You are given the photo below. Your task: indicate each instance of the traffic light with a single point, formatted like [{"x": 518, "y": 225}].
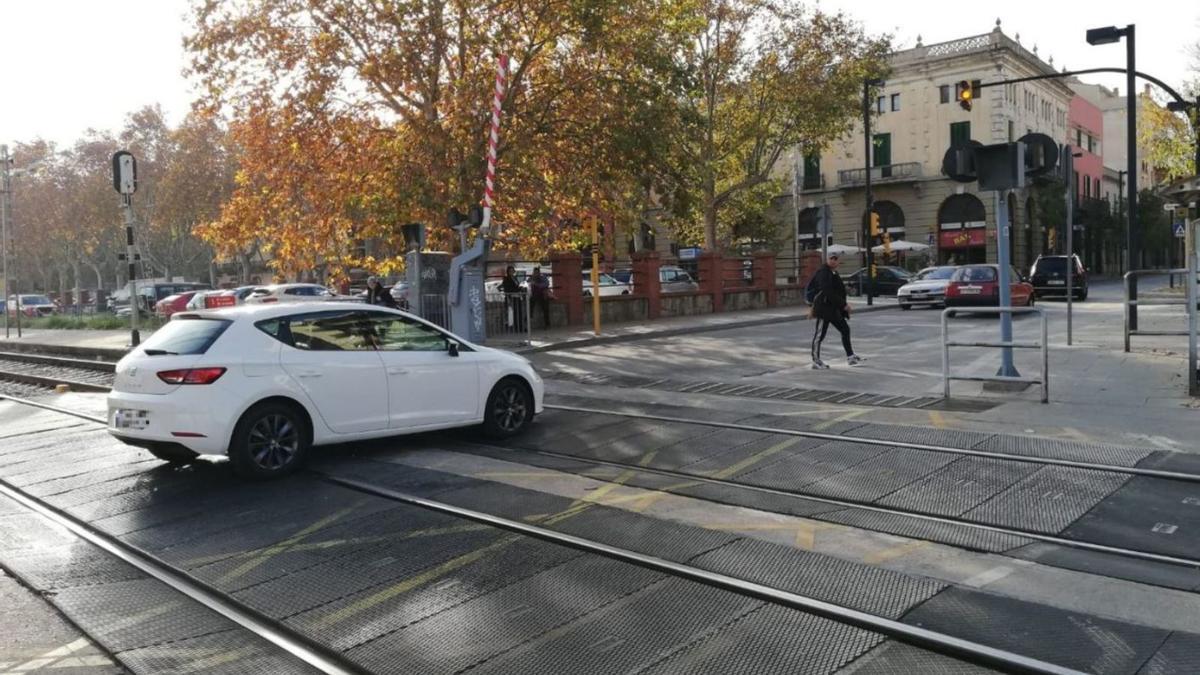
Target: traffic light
[
  {"x": 874, "y": 271},
  {"x": 874, "y": 224},
  {"x": 965, "y": 93}
]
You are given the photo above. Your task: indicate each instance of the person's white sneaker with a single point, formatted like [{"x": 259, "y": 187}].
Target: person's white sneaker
[
  {"x": 819, "y": 365},
  {"x": 853, "y": 360}
]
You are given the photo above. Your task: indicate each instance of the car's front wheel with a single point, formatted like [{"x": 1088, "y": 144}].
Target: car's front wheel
[
  {"x": 509, "y": 410},
  {"x": 271, "y": 440}
]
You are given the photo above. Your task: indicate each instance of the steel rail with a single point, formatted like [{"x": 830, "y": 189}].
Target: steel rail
[
  {"x": 915, "y": 635},
  {"x": 1110, "y": 468},
  {"x": 51, "y": 382},
  {"x": 65, "y": 361},
  {"x": 864, "y": 506},
  {"x": 310, "y": 652}
]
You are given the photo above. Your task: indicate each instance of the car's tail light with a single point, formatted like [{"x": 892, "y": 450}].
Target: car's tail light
[
  {"x": 191, "y": 375},
  {"x": 269, "y": 299},
  {"x": 952, "y": 290}
]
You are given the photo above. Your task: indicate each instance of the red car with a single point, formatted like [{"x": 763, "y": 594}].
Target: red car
[
  {"x": 173, "y": 303},
  {"x": 979, "y": 286}
]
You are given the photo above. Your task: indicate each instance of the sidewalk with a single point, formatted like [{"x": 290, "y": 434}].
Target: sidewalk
[{"x": 114, "y": 343}]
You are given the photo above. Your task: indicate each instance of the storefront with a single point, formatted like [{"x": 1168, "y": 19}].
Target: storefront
[{"x": 962, "y": 230}]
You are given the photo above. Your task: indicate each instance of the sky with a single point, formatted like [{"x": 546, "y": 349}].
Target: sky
[{"x": 71, "y": 65}]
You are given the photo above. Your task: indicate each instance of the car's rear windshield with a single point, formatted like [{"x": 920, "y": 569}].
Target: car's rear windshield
[
  {"x": 35, "y": 300},
  {"x": 1051, "y": 266},
  {"x": 937, "y": 273},
  {"x": 185, "y": 336},
  {"x": 976, "y": 274}
]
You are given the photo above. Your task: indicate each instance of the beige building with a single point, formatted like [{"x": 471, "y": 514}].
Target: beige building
[{"x": 916, "y": 117}]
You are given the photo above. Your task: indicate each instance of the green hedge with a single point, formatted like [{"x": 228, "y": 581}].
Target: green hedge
[{"x": 97, "y": 322}]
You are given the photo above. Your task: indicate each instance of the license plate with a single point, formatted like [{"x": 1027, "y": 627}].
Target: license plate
[
  {"x": 125, "y": 418},
  {"x": 970, "y": 290},
  {"x": 1057, "y": 282}
]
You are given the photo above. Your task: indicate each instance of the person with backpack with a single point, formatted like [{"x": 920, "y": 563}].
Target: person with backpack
[{"x": 826, "y": 295}]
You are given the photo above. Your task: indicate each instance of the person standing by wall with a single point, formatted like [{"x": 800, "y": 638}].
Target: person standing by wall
[
  {"x": 539, "y": 295},
  {"x": 830, "y": 308}
]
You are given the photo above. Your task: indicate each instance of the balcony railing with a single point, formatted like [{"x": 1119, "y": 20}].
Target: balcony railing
[{"x": 885, "y": 173}]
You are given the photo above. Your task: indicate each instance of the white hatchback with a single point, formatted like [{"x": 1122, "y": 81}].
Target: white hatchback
[{"x": 264, "y": 383}]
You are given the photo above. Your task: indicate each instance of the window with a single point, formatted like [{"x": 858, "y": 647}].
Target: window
[
  {"x": 397, "y": 334},
  {"x": 330, "y": 332},
  {"x": 1011, "y": 131},
  {"x": 1096, "y": 191},
  {"x": 895, "y": 102},
  {"x": 812, "y": 171},
  {"x": 879, "y": 104},
  {"x": 1091, "y": 144},
  {"x": 960, "y": 133},
  {"x": 1079, "y": 138},
  {"x": 184, "y": 336},
  {"x": 944, "y": 92}
]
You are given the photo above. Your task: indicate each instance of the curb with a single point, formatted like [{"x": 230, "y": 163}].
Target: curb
[{"x": 672, "y": 332}]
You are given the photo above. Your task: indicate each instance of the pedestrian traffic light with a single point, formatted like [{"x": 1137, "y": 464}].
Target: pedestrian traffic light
[
  {"x": 965, "y": 93},
  {"x": 874, "y": 224}
]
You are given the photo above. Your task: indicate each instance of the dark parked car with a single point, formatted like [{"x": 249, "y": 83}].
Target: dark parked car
[
  {"x": 888, "y": 280},
  {"x": 1049, "y": 277}
]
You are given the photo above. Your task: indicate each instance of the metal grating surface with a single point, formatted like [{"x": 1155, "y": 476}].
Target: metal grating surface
[
  {"x": 862, "y": 587},
  {"x": 1082, "y": 642},
  {"x": 944, "y": 533},
  {"x": 797, "y": 471},
  {"x": 23, "y": 531},
  {"x": 891, "y": 658},
  {"x": 76, "y": 564},
  {"x": 1149, "y": 514},
  {"x": 764, "y": 501},
  {"x": 233, "y": 652},
  {"x": 1048, "y": 500},
  {"x": 636, "y": 447},
  {"x": 692, "y": 451},
  {"x": 881, "y": 476},
  {"x": 960, "y": 486},
  {"x": 359, "y": 619},
  {"x": 635, "y": 532},
  {"x": 771, "y": 640},
  {"x": 505, "y": 619},
  {"x": 132, "y": 614},
  {"x": 631, "y": 634},
  {"x": 1105, "y": 564},
  {"x": 750, "y": 456},
  {"x": 1047, "y": 447},
  {"x": 922, "y": 435},
  {"x": 1179, "y": 654}
]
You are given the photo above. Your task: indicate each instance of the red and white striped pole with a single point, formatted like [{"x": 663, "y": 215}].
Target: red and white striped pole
[{"x": 489, "y": 192}]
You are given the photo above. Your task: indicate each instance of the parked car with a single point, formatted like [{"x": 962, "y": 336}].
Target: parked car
[
  {"x": 30, "y": 305},
  {"x": 888, "y": 280},
  {"x": 671, "y": 279},
  {"x": 264, "y": 383},
  {"x": 978, "y": 286},
  {"x": 927, "y": 288},
  {"x": 608, "y": 285},
  {"x": 173, "y": 303},
  {"x": 289, "y": 293},
  {"x": 1049, "y": 277}
]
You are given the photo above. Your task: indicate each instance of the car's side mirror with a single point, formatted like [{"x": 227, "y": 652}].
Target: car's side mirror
[{"x": 452, "y": 348}]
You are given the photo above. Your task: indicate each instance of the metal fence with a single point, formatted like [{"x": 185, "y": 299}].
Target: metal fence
[
  {"x": 947, "y": 376},
  {"x": 508, "y": 317},
  {"x": 1132, "y": 303},
  {"x": 434, "y": 308}
]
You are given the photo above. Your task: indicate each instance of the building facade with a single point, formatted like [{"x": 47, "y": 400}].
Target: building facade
[{"x": 916, "y": 119}]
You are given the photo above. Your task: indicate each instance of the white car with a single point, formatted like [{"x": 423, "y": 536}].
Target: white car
[
  {"x": 927, "y": 288},
  {"x": 264, "y": 383},
  {"x": 289, "y": 293},
  {"x": 608, "y": 285}
]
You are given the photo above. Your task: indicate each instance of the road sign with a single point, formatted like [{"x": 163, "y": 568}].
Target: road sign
[{"x": 1180, "y": 230}]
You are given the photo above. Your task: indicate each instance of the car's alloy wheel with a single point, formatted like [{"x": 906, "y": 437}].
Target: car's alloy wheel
[
  {"x": 509, "y": 409},
  {"x": 270, "y": 440}
]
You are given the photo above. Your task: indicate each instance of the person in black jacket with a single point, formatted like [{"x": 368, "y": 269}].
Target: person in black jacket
[
  {"x": 830, "y": 308},
  {"x": 378, "y": 295}
]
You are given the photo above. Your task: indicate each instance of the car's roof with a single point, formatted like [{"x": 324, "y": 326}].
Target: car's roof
[{"x": 255, "y": 312}]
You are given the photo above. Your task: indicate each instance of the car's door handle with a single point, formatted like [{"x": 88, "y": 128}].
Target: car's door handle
[
  {"x": 397, "y": 371},
  {"x": 308, "y": 373}
]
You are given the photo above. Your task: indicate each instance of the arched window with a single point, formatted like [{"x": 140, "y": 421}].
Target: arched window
[
  {"x": 891, "y": 218},
  {"x": 964, "y": 210}
]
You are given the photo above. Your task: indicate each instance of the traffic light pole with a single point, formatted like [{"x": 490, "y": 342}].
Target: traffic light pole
[
  {"x": 1007, "y": 368},
  {"x": 870, "y": 271}
]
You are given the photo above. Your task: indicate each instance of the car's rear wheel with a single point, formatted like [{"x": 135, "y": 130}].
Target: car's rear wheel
[
  {"x": 172, "y": 454},
  {"x": 905, "y": 306},
  {"x": 271, "y": 439},
  {"x": 509, "y": 409}
]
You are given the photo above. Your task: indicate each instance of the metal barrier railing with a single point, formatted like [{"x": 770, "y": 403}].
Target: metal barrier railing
[
  {"x": 1132, "y": 302},
  {"x": 434, "y": 308},
  {"x": 1044, "y": 380},
  {"x": 508, "y": 317}
]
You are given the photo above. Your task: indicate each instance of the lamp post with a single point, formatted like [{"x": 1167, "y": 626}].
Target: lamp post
[
  {"x": 870, "y": 198},
  {"x": 1109, "y": 35}
]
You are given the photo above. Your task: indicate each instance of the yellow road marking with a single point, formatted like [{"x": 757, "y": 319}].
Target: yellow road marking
[
  {"x": 894, "y": 552},
  {"x": 936, "y": 418},
  {"x": 286, "y": 544},
  {"x": 210, "y": 662},
  {"x": 517, "y": 474},
  {"x": 647, "y": 458},
  {"x": 1076, "y": 434},
  {"x": 755, "y": 458},
  {"x": 841, "y": 418},
  {"x": 411, "y": 583}
]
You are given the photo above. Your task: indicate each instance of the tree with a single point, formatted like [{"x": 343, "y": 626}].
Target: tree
[
  {"x": 1169, "y": 139},
  {"x": 763, "y": 77}
]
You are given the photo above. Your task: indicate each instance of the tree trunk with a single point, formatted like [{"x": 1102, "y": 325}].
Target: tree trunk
[
  {"x": 710, "y": 225},
  {"x": 77, "y": 293},
  {"x": 99, "y": 277}
]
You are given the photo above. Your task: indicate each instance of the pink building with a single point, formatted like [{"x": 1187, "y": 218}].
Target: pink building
[{"x": 1085, "y": 131}]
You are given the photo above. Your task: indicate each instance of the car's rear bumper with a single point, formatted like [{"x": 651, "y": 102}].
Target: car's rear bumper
[
  {"x": 973, "y": 301},
  {"x": 140, "y": 419},
  {"x": 921, "y": 300},
  {"x": 1059, "y": 290}
]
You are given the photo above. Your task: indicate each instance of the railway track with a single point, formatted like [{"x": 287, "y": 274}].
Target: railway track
[{"x": 321, "y": 658}]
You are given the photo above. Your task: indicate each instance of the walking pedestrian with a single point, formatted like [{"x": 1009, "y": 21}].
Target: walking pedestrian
[
  {"x": 539, "y": 295},
  {"x": 830, "y": 308}
]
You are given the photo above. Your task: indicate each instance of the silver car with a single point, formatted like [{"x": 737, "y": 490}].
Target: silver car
[{"x": 927, "y": 288}]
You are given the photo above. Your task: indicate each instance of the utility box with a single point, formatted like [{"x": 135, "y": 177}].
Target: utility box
[{"x": 428, "y": 277}]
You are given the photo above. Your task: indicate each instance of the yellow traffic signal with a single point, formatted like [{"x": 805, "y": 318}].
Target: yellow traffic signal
[
  {"x": 965, "y": 94},
  {"x": 874, "y": 270},
  {"x": 874, "y": 224}
]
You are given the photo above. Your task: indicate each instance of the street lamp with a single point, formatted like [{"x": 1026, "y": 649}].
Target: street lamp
[
  {"x": 870, "y": 198},
  {"x": 1104, "y": 36}
]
